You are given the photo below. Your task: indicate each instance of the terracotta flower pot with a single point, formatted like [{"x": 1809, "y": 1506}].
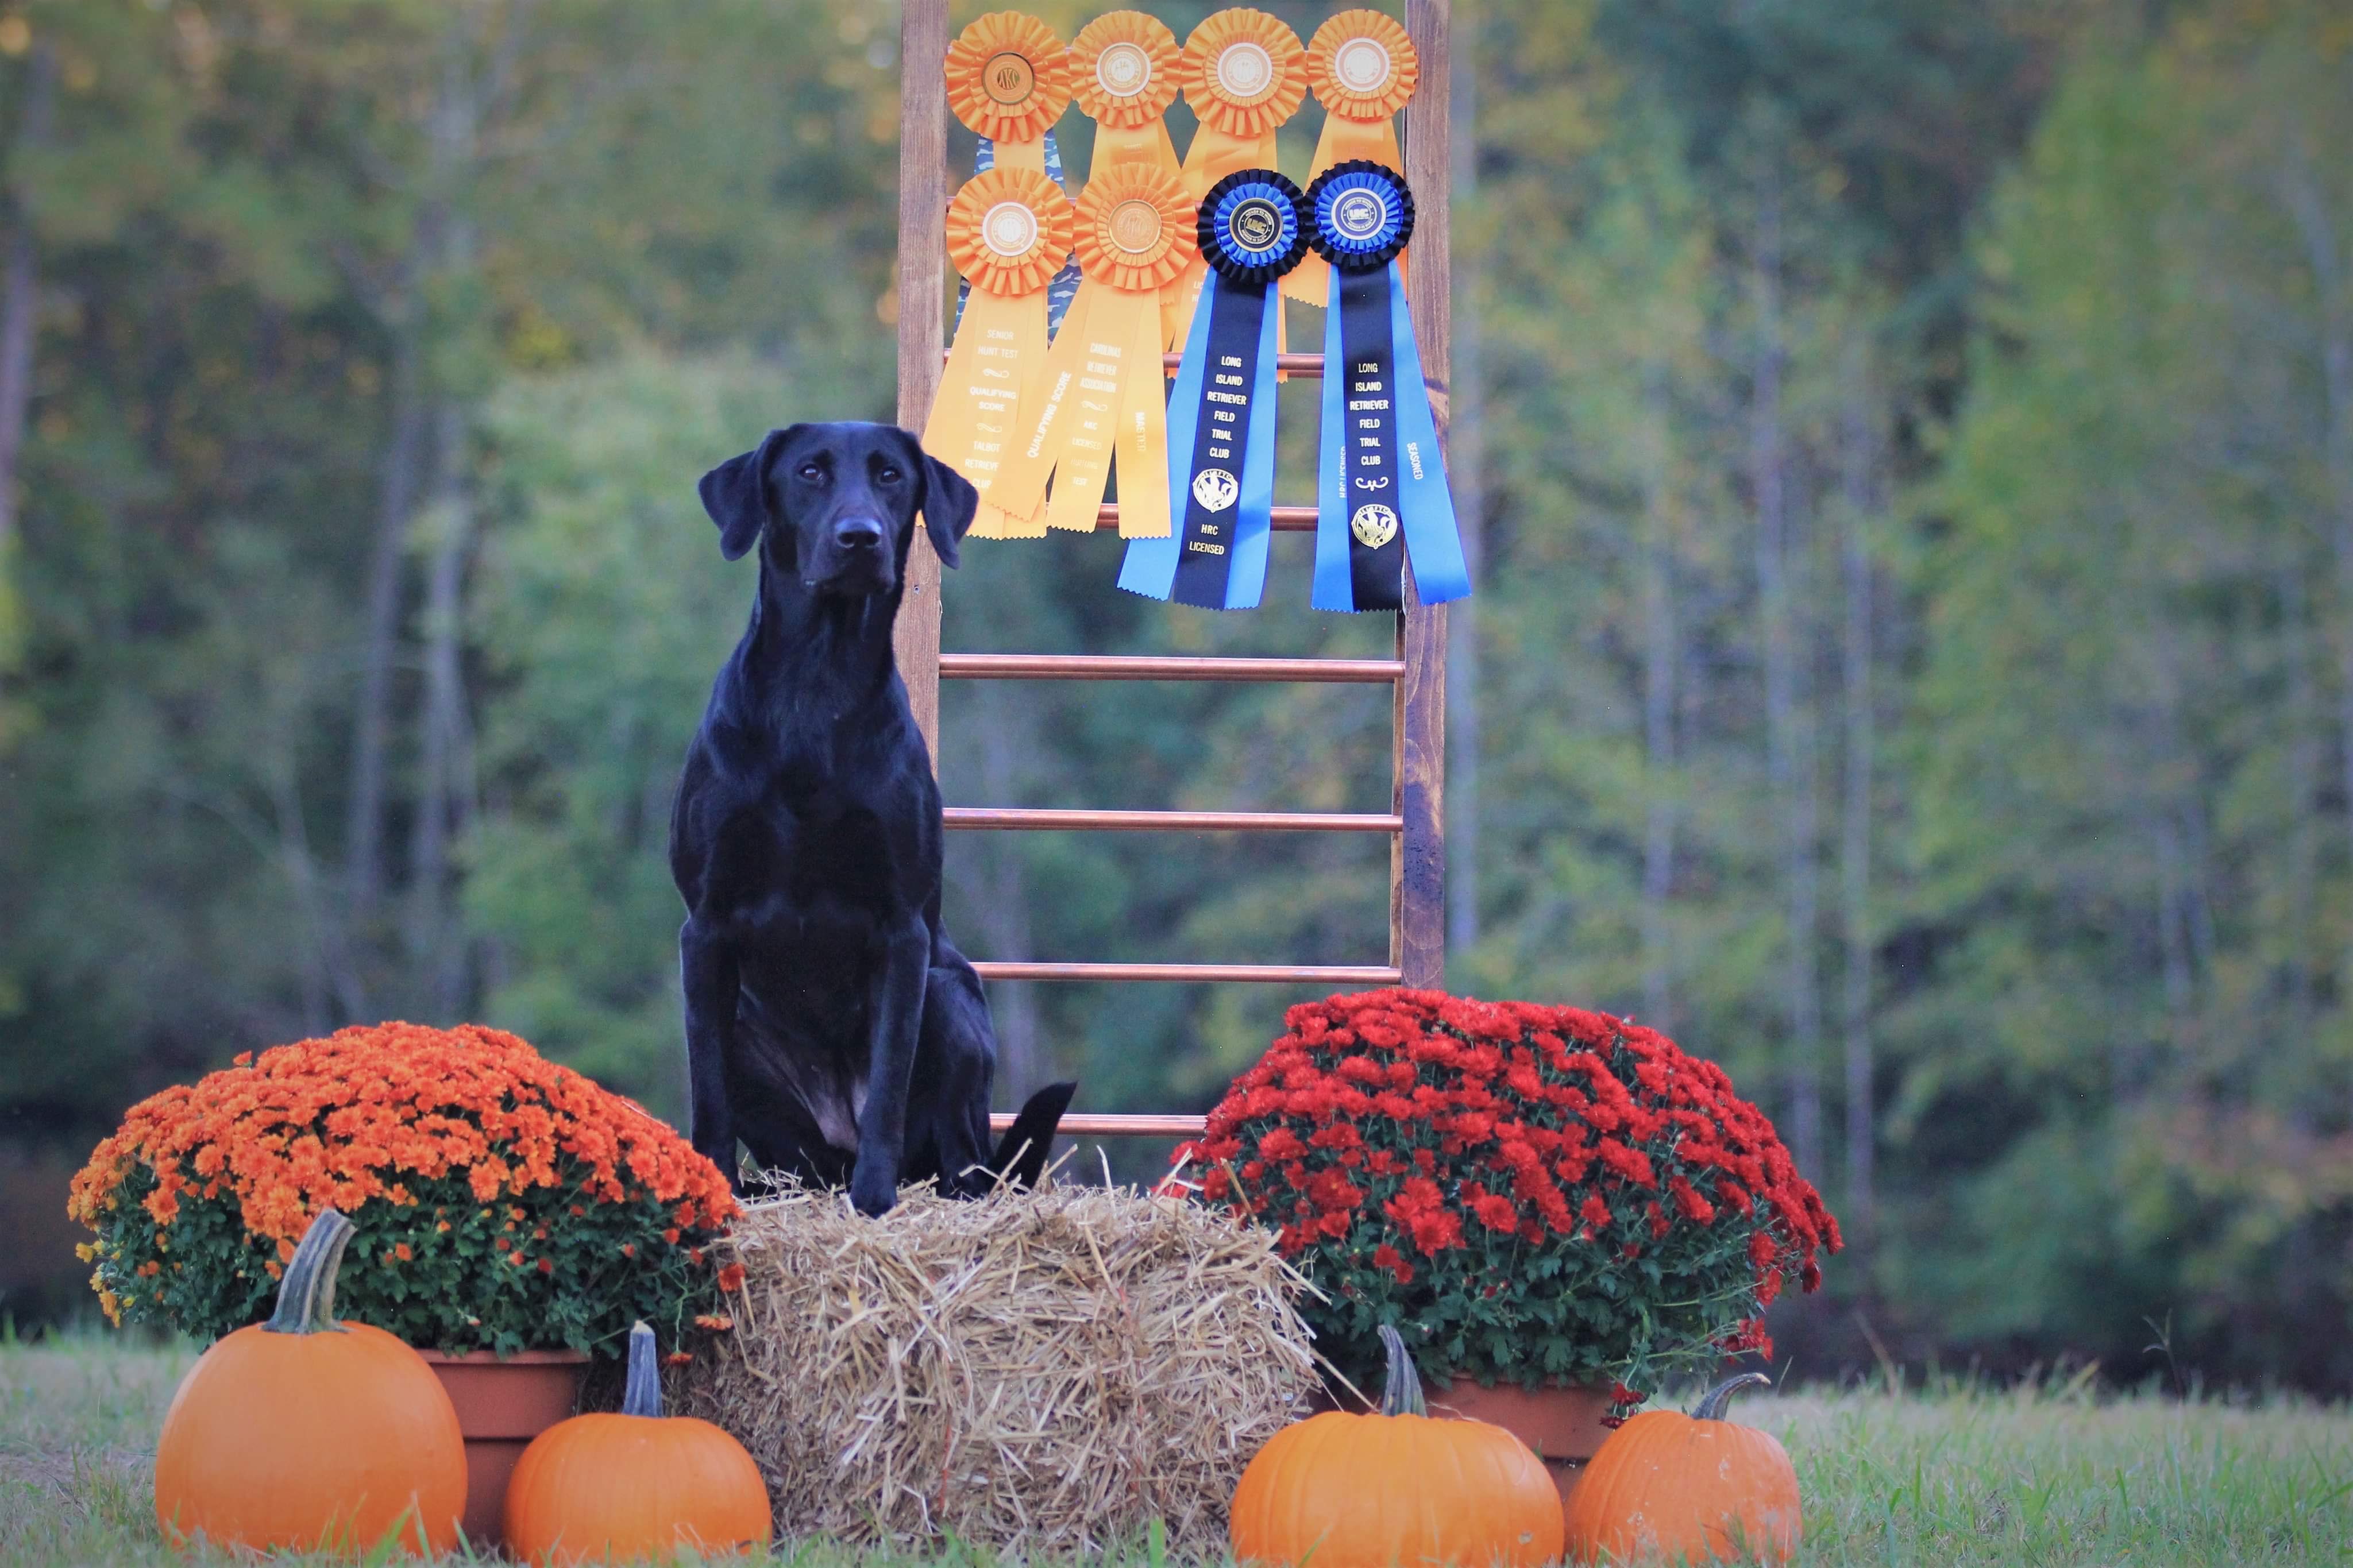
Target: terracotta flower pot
[
  {"x": 1562, "y": 1424},
  {"x": 501, "y": 1406}
]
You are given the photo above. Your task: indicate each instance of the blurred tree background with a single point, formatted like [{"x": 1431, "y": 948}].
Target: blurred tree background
[{"x": 1909, "y": 443}]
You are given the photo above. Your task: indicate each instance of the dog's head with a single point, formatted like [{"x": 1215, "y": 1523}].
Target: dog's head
[{"x": 837, "y": 504}]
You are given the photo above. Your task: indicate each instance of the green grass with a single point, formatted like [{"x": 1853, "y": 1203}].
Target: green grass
[{"x": 1960, "y": 1474}]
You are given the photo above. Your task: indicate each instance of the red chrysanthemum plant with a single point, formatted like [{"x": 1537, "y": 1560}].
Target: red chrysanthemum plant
[
  {"x": 1539, "y": 1195},
  {"x": 499, "y": 1202}
]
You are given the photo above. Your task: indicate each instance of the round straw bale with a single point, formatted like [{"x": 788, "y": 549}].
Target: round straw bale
[{"x": 1041, "y": 1370}]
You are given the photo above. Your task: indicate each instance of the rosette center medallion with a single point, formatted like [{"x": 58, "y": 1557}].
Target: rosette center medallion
[
  {"x": 1123, "y": 69},
  {"x": 1246, "y": 70},
  {"x": 1361, "y": 65},
  {"x": 1134, "y": 226},
  {"x": 1256, "y": 224},
  {"x": 1008, "y": 79},
  {"x": 1009, "y": 228}
]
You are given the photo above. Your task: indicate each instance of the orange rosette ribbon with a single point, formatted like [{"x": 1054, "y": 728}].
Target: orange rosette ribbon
[
  {"x": 1103, "y": 395},
  {"x": 1123, "y": 75},
  {"x": 1244, "y": 73},
  {"x": 1124, "y": 78},
  {"x": 1008, "y": 230},
  {"x": 1362, "y": 69},
  {"x": 1009, "y": 79}
]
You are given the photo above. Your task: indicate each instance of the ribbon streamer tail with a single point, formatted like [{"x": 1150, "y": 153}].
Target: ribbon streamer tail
[
  {"x": 1149, "y": 567},
  {"x": 1246, "y": 582},
  {"x": 1433, "y": 540},
  {"x": 1144, "y": 493},
  {"x": 1331, "y": 589}
]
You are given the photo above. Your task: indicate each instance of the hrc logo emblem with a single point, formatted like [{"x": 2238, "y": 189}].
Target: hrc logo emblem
[{"x": 1373, "y": 525}]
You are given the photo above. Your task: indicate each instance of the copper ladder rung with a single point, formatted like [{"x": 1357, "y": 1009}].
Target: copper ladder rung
[
  {"x": 1164, "y": 667},
  {"x": 1083, "y": 1125},
  {"x": 1287, "y": 518},
  {"x": 1035, "y": 819},
  {"x": 1306, "y": 366},
  {"x": 1184, "y": 974}
]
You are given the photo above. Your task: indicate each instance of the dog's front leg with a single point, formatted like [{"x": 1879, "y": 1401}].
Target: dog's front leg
[
  {"x": 896, "y": 1016},
  {"x": 706, "y": 969}
]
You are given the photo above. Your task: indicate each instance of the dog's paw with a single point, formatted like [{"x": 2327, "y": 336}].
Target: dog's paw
[{"x": 872, "y": 1194}]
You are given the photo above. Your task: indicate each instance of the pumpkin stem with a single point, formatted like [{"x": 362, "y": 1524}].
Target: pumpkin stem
[
  {"x": 1717, "y": 1400},
  {"x": 644, "y": 1394},
  {"x": 1402, "y": 1396},
  {"x": 306, "y": 1296}
]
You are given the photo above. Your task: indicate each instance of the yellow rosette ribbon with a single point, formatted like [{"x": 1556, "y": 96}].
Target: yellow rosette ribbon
[
  {"x": 1103, "y": 395},
  {"x": 1009, "y": 79},
  {"x": 1008, "y": 230},
  {"x": 1363, "y": 69},
  {"x": 1244, "y": 73}
]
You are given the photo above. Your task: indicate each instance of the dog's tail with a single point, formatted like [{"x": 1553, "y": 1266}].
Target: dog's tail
[{"x": 1022, "y": 1153}]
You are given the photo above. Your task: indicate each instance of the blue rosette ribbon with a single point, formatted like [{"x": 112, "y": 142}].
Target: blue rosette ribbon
[
  {"x": 1253, "y": 228},
  {"x": 1381, "y": 496}
]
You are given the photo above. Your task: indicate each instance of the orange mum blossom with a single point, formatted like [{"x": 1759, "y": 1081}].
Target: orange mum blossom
[{"x": 443, "y": 1146}]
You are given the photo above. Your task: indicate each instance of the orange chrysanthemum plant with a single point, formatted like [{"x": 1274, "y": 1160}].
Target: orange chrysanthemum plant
[{"x": 499, "y": 1202}]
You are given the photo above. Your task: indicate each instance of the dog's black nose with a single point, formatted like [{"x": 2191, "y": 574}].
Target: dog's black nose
[{"x": 858, "y": 533}]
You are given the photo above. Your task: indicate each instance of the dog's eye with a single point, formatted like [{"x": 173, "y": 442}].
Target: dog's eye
[
  {"x": 889, "y": 476},
  {"x": 811, "y": 471}
]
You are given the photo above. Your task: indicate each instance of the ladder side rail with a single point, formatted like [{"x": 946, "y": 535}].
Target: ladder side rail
[
  {"x": 922, "y": 284},
  {"x": 1418, "y": 908}
]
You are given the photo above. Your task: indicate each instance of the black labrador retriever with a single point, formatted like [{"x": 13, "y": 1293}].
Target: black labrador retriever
[{"x": 830, "y": 1025}]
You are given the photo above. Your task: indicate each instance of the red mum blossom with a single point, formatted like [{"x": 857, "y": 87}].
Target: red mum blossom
[{"x": 1423, "y": 1154}]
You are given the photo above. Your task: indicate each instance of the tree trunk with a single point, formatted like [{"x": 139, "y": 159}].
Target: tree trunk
[
  {"x": 2308, "y": 208},
  {"x": 20, "y": 292},
  {"x": 1465, "y": 463},
  {"x": 1791, "y": 778},
  {"x": 445, "y": 783},
  {"x": 2303, "y": 748},
  {"x": 1860, "y": 461},
  {"x": 397, "y": 484},
  {"x": 1658, "y": 679}
]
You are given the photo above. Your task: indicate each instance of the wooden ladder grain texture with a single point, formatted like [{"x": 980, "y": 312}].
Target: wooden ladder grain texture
[{"x": 1417, "y": 673}]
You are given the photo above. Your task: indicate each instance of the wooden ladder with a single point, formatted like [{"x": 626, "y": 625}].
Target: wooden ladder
[{"x": 1415, "y": 822}]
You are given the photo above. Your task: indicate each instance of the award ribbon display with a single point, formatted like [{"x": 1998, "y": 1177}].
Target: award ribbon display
[
  {"x": 1362, "y": 69},
  {"x": 1124, "y": 78},
  {"x": 1009, "y": 79},
  {"x": 1103, "y": 392},
  {"x": 1380, "y": 483},
  {"x": 1244, "y": 73},
  {"x": 1007, "y": 231},
  {"x": 1252, "y": 228}
]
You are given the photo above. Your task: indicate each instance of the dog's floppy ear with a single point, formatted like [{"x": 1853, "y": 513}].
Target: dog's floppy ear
[
  {"x": 735, "y": 494},
  {"x": 949, "y": 501}
]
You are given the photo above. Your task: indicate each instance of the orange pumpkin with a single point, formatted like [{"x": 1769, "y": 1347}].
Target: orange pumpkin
[
  {"x": 640, "y": 1484},
  {"x": 1374, "y": 1492},
  {"x": 1687, "y": 1487},
  {"x": 302, "y": 1431}
]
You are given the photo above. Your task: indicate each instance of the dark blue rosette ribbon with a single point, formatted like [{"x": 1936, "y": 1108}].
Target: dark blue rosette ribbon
[
  {"x": 1380, "y": 484},
  {"x": 1252, "y": 228}
]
